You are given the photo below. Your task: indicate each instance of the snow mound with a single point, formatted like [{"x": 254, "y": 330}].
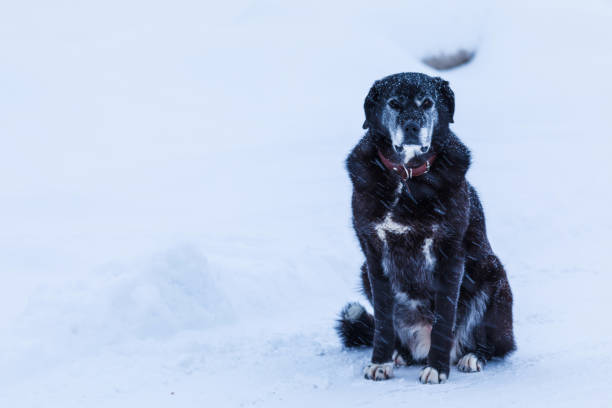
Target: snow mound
[
  {"x": 175, "y": 291},
  {"x": 168, "y": 293}
]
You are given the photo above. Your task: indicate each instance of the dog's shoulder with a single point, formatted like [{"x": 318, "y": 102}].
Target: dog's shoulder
[
  {"x": 361, "y": 164},
  {"x": 456, "y": 156}
]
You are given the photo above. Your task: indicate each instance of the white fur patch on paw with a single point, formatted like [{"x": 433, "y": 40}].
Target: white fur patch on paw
[
  {"x": 470, "y": 363},
  {"x": 378, "y": 372},
  {"x": 398, "y": 360},
  {"x": 429, "y": 375}
]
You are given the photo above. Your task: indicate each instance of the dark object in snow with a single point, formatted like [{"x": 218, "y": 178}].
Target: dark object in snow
[
  {"x": 443, "y": 62},
  {"x": 440, "y": 295}
]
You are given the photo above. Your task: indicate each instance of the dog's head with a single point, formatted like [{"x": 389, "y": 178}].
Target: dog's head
[{"x": 408, "y": 113}]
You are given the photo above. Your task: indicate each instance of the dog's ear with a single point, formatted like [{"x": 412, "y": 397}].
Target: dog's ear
[
  {"x": 370, "y": 104},
  {"x": 447, "y": 96}
]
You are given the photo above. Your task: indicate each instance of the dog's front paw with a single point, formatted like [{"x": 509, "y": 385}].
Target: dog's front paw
[
  {"x": 470, "y": 363},
  {"x": 378, "y": 372},
  {"x": 430, "y": 375}
]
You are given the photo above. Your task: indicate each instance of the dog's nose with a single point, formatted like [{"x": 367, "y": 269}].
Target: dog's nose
[
  {"x": 398, "y": 148},
  {"x": 424, "y": 149},
  {"x": 411, "y": 130}
]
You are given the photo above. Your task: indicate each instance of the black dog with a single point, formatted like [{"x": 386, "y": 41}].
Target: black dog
[{"x": 439, "y": 293}]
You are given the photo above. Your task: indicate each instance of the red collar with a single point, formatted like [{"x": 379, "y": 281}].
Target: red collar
[{"x": 404, "y": 172}]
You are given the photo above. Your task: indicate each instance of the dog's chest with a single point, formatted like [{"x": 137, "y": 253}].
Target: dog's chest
[{"x": 408, "y": 248}]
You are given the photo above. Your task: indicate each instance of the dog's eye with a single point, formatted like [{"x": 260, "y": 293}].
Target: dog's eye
[
  {"x": 427, "y": 103},
  {"x": 394, "y": 104}
]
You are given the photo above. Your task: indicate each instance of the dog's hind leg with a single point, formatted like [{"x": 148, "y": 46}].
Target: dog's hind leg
[
  {"x": 471, "y": 335},
  {"x": 492, "y": 336},
  {"x": 475, "y": 360},
  {"x": 366, "y": 286},
  {"x": 498, "y": 319}
]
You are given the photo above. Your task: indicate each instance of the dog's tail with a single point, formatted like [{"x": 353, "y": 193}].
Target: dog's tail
[{"x": 355, "y": 326}]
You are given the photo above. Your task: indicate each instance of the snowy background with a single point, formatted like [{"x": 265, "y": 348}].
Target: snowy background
[{"x": 175, "y": 224}]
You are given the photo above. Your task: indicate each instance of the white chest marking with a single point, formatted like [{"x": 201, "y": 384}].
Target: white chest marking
[
  {"x": 388, "y": 225},
  {"x": 428, "y": 253},
  {"x": 398, "y": 192},
  {"x": 405, "y": 300}
]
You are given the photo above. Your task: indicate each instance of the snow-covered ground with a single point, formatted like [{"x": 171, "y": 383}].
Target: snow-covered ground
[{"x": 175, "y": 212}]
